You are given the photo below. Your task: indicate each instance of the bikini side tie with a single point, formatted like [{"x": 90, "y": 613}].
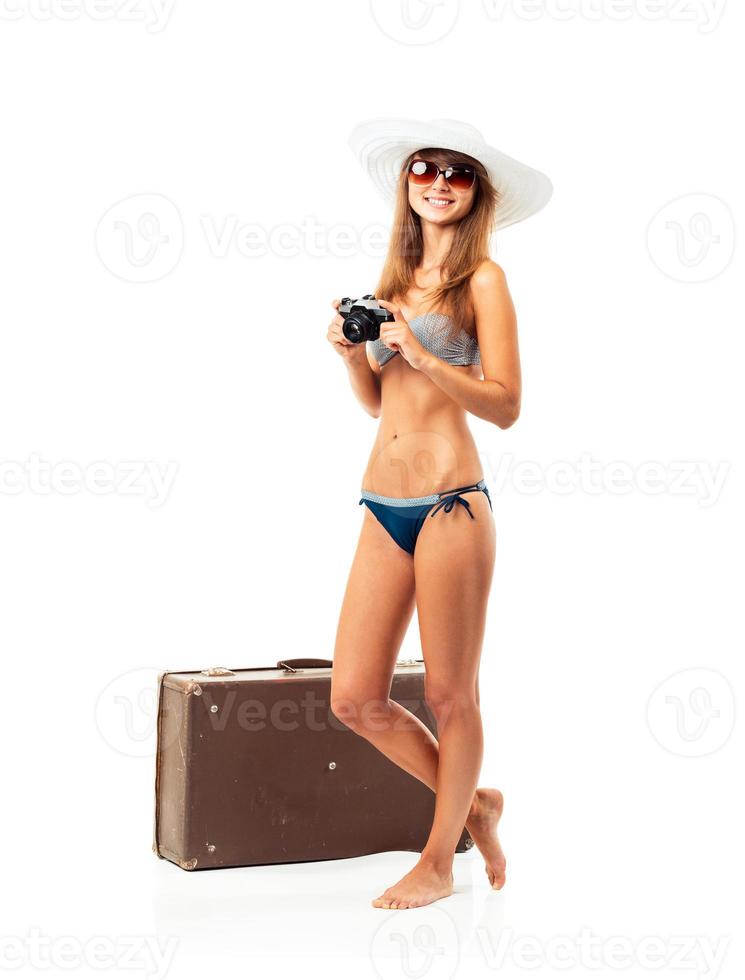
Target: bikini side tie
[{"x": 449, "y": 501}]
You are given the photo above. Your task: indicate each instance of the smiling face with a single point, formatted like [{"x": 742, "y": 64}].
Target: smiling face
[{"x": 439, "y": 202}]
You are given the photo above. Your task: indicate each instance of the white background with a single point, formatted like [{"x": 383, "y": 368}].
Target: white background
[{"x": 196, "y": 356}]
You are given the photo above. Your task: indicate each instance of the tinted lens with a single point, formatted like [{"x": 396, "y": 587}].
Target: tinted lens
[
  {"x": 461, "y": 178},
  {"x": 422, "y": 172}
]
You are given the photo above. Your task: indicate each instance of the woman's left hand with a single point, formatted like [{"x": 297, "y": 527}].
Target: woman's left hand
[{"x": 398, "y": 336}]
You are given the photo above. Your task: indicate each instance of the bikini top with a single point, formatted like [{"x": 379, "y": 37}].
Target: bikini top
[{"x": 431, "y": 330}]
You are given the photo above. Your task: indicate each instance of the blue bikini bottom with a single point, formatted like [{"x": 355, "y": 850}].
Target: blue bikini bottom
[{"x": 403, "y": 517}]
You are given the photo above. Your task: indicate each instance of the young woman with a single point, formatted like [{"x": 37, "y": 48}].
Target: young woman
[{"x": 428, "y": 536}]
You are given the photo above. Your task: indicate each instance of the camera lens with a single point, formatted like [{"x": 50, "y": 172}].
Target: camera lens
[{"x": 361, "y": 326}]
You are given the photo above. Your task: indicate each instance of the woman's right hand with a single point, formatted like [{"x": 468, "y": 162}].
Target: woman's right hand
[{"x": 349, "y": 352}]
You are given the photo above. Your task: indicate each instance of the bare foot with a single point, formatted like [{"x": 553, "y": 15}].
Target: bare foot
[
  {"x": 422, "y": 885},
  {"x": 486, "y": 810}
]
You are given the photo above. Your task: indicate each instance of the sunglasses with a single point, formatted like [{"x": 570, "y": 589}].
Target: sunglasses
[{"x": 460, "y": 176}]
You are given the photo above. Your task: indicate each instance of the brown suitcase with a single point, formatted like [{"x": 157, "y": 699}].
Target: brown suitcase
[{"x": 252, "y": 767}]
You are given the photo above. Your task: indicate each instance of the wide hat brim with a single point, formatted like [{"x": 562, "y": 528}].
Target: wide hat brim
[{"x": 381, "y": 145}]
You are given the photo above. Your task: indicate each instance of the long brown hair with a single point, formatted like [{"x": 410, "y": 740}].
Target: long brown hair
[{"x": 469, "y": 248}]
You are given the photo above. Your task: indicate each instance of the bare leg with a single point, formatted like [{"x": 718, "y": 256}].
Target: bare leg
[
  {"x": 377, "y": 608},
  {"x": 451, "y": 598},
  {"x": 378, "y": 605}
]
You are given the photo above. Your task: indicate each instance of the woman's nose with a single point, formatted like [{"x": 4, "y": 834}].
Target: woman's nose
[{"x": 441, "y": 184}]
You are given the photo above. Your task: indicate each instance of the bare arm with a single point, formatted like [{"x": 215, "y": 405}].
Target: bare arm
[
  {"x": 496, "y": 397},
  {"x": 365, "y": 383},
  {"x": 364, "y": 372}
]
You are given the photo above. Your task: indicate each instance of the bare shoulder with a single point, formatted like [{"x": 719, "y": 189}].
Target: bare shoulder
[
  {"x": 492, "y": 303},
  {"x": 488, "y": 278}
]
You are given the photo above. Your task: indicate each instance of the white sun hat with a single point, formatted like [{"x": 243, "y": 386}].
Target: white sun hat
[{"x": 382, "y": 145}]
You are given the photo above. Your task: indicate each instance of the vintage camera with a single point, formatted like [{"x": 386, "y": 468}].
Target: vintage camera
[{"x": 362, "y": 318}]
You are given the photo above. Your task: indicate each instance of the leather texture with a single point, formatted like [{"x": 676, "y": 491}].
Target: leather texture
[{"x": 252, "y": 767}]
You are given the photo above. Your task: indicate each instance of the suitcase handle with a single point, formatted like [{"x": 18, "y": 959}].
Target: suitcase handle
[{"x": 304, "y": 662}]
